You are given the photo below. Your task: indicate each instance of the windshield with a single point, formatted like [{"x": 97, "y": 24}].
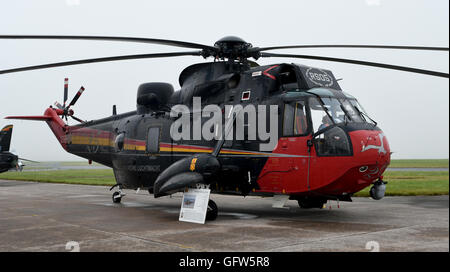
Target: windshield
[
  {"x": 328, "y": 111},
  {"x": 362, "y": 112}
]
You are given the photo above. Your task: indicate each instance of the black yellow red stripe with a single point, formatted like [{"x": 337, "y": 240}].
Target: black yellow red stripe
[{"x": 104, "y": 138}]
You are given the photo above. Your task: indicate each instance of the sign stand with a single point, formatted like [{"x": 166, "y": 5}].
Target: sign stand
[{"x": 194, "y": 205}]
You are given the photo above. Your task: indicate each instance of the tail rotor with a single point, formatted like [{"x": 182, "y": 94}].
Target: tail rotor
[
  {"x": 66, "y": 91},
  {"x": 65, "y": 110}
]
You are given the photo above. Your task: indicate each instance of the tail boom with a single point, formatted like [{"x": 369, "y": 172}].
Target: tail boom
[{"x": 56, "y": 124}]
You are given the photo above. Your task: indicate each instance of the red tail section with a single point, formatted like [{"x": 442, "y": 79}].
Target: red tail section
[{"x": 56, "y": 124}]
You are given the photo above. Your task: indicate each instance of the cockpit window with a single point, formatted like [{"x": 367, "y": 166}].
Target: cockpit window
[
  {"x": 362, "y": 112},
  {"x": 319, "y": 116},
  {"x": 336, "y": 111},
  {"x": 333, "y": 142},
  {"x": 354, "y": 115}
]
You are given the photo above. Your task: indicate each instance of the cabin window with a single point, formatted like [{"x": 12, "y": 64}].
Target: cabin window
[
  {"x": 295, "y": 122},
  {"x": 153, "y": 140},
  {"x": 119, "y": 142}
]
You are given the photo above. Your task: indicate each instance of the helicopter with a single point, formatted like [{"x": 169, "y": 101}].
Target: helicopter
[
  {"x": 8, "y": 160},
  {"x": 322, "y": 145}
]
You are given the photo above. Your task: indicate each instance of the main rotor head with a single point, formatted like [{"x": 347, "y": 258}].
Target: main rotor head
[{"x": 232, "y": 48}]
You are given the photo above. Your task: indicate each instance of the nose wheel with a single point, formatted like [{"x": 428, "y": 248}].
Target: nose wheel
[
  {"x": 212, "y": 211},
  {"x": 378, "y": 189}
]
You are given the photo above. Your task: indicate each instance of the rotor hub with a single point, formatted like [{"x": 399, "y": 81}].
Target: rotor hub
[
  {"x": 232, "y": 48},
  {"x": 230, "y": 41}
]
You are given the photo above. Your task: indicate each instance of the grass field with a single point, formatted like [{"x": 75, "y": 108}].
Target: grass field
[
  {"x": 57, "y": 164},
  {"x": 414, "y": 183},
  {"x": 88, "y": 177},
  {"x": 419, "y": 163},
  {"x": 399, "y": 183}
]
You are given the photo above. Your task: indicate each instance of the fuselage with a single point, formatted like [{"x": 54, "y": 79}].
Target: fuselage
[
  {"x": 310, "y": 157},
  {"x": 292, "y": 167}
]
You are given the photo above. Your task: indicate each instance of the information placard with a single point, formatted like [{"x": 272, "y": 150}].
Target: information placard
[{"x": 194, "y": 205}]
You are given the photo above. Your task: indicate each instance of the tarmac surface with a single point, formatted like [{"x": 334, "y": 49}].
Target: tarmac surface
[{"x": 45, "y": 217}]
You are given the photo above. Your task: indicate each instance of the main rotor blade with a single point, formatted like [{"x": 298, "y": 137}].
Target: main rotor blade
[
  {"x": 109, "y": 38},
  {"x": 354, "y": 46},
  {"x": 116, "y": 58},
  {"x": 358, "y": 62}
]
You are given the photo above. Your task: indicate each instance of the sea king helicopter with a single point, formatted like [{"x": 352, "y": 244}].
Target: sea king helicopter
[
  {"x": 8, "y": 160},
  {"x": 322, "y": 146}
]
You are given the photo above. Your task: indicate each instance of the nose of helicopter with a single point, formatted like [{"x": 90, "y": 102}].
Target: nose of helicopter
[{"x": 372, "y": 153}]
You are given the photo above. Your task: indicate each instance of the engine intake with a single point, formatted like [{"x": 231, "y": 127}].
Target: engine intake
[{"x": 153, "y": 96}]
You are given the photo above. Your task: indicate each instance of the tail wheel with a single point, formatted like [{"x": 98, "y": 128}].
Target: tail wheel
[
  {"x": 116, "y": 197},
  {"x": 212, "y": 211}
]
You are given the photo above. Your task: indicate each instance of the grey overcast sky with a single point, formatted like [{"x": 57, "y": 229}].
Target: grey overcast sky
[{"x": 413, "y": 110}]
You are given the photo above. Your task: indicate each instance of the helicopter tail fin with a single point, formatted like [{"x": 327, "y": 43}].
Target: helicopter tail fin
[{"x": 5, "y": 138}]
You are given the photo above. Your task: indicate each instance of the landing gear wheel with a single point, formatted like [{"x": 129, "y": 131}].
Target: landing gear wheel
[
  {"x": 212, "y": 211},
  {"x": 116, "y": 197}
]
